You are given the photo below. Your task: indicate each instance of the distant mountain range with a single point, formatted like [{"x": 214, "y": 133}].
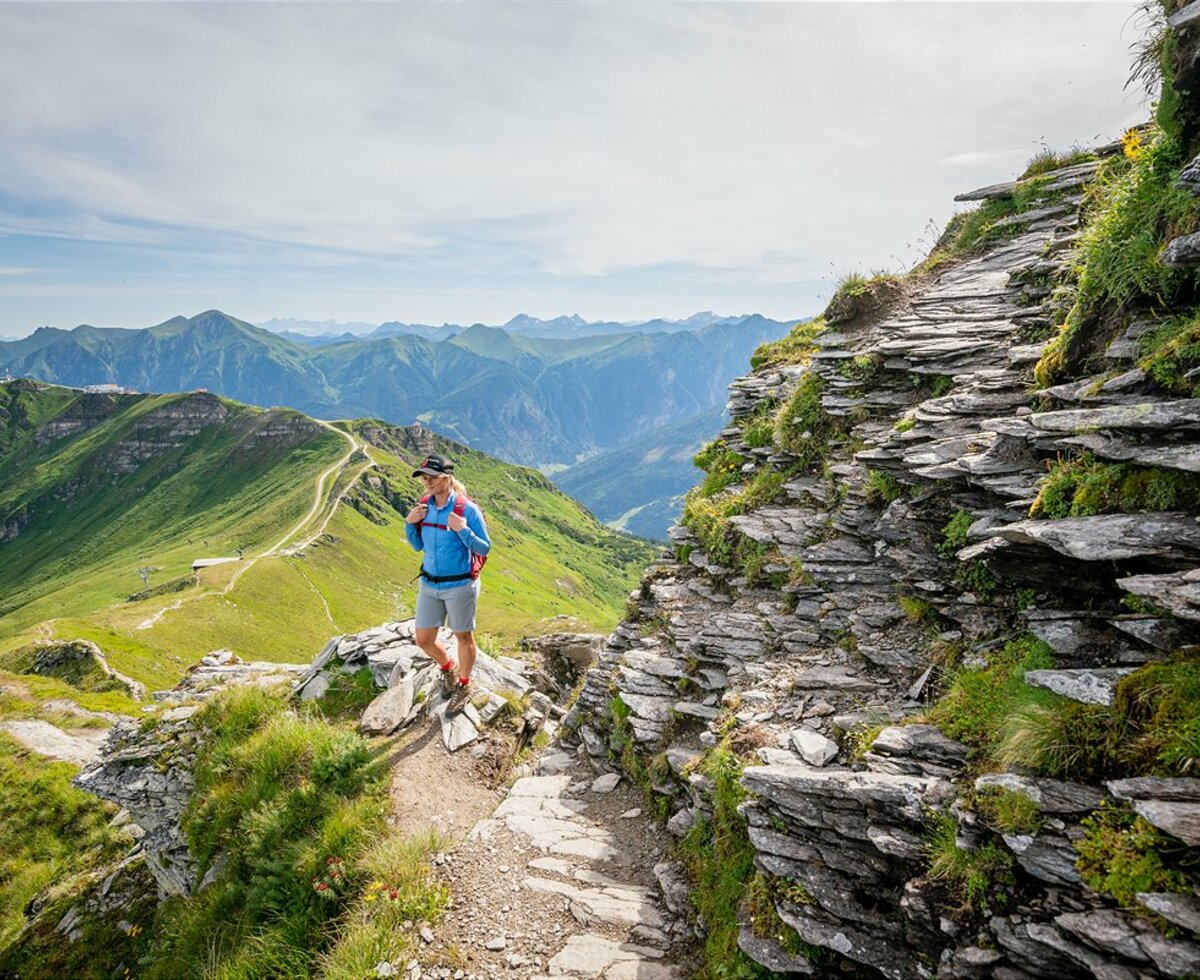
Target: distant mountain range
[
  {"x": 316, "y": 332},
  {"x": 535, "y": 400},
  {"x": 639, "y": 486}
]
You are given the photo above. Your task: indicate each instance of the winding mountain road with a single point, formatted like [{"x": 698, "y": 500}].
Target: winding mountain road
[{"x": 319, "y": 503}]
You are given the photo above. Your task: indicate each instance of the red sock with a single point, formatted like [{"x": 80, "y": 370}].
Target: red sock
[
  {"x": 464, "y": 681},
  {"x": 449, "y": 665}
]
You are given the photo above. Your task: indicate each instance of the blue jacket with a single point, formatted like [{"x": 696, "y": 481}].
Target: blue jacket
[{"x": 448, "y": 552}]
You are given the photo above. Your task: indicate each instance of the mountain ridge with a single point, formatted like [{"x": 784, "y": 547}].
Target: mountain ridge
[{"x": 532, "y": 400}]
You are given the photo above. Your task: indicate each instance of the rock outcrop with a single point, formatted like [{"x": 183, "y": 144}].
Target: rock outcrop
[{"x": 824, "y": 649}]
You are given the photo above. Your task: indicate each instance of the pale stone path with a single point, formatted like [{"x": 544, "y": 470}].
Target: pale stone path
[
  {"x": 81, "y": 747},
  {"x": 557, "y": 883}
]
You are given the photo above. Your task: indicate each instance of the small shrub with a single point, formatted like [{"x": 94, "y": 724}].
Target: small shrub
[
  {"x": 1121, "y": 854},
  {"x": 954, "y": 534},
  {"x": 1082, "y": 487}
]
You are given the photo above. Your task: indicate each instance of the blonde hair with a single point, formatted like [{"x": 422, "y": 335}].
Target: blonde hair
[{"x": 456, "y": 484}]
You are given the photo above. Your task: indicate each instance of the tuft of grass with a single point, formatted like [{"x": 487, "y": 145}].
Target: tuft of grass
[
  {"x": 1047, "y": 159},
  {"x": 720, "y": 859},
  {"x": 761, "y": 895},
  {"x": 1151, "y": 728},
  {"x": 916, "y": 610},
  {"x": 1082, "y": 486},
  {"x": 1009, "y": 811},
  {"x": 1171, "y": 351},
  {"x": 1136, "y": 209},
  {"x": 882, "y": 488},
  {"x": 348, "y": 695},
  {"x": 976, "y": 878},
  {"x": 796, "y": 348},
  {"x": 979, "y": 701}
]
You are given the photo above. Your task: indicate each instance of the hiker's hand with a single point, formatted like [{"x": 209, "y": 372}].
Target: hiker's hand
[
  {"x": 417, "y": 514},
  {"x": 456, "y": 522}
]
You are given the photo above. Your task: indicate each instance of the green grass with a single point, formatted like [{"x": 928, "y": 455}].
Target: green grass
[
  {"x": 976, "y": 878},
  {"x": 50, "y": 832},
  {"x": 224, "y": 488},
  {"x": 1007, "y": 810},
  {"x": 1082, "y": 486},
  {"x": 313, "y": 880},
  {"x": 796, "y": 348},
  {"x": 1151, "y": 728},
  {"x": 978, "y": 702},
  {"x": 1170, "y": 351},
  {"x": 954, "y": 534},
  {"x": 1047, "y": 159},
  {"x": 1137, "y": 209},
  {"x": 720, "y": 859},
  {"x": 882, "y": 488}
]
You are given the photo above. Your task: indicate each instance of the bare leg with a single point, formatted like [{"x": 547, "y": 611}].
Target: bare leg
[
  {"x": 466, "y": 653},
  {"x": 427, "y": 640}
]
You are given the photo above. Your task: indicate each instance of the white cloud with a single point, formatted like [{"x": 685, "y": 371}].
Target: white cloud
[{"x": 761, "y": 140}]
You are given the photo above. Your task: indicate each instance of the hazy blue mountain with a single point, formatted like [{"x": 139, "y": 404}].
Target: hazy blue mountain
[
  {"x": 528, "y": 399},
  {"x": 639, "y": 486},
  {"x": 292, "y": 327},
  {"x": 561, "y": 327}
]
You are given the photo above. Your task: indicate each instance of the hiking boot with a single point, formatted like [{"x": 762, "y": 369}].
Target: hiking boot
[
  {"x": 459, "y": 699},
  {"x": 450, "y": 678}
]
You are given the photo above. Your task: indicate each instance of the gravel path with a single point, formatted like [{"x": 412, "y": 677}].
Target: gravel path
[{"x": 558, "y": 882}]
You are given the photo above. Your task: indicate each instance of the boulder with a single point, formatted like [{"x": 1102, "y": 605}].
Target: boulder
[
  {"x": 389, "y": 710},
  {"x": 814, "y": 748}
]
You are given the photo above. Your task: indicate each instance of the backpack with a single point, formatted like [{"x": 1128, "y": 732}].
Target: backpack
[{"x": 460, "y": 506}]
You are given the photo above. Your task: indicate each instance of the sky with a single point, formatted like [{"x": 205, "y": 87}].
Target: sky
[{"x": 465, "y": 162}]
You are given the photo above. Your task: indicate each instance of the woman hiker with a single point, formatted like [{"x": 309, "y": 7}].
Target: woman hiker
[{"x": 448, "y": 527}]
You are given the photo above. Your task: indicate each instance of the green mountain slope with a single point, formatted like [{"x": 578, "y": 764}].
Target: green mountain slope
[{"x": 97, "y": 486}]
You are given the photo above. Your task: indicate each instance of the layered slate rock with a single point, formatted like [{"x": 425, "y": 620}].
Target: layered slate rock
[{"x": 826, "y": 656}]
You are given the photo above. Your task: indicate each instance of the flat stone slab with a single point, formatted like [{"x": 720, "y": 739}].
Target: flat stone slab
[
  {"x": 1050, "y": 795},
  {"x": 606, "y": 783},
  {"x": 1110, "y": 537},
  {"x": 389, "y": 710},
  {"x": 1182, "y": 820},
  {"x": 1178, "y": 592},
  {"x": 1183, "y": 910},
  {"x": 1095, "y": 685},
  {"x": 1183, "y": 789},
  {"x": 591, "y": 955}
]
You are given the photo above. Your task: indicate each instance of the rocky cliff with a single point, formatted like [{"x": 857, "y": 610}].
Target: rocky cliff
[{"x": 917, "y": 685}]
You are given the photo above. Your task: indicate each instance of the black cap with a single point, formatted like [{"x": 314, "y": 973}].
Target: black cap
[{"x": 434, "y": 465}]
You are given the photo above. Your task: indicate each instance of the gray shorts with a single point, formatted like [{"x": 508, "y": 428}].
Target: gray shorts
[{"x": 455, "y": 603}]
